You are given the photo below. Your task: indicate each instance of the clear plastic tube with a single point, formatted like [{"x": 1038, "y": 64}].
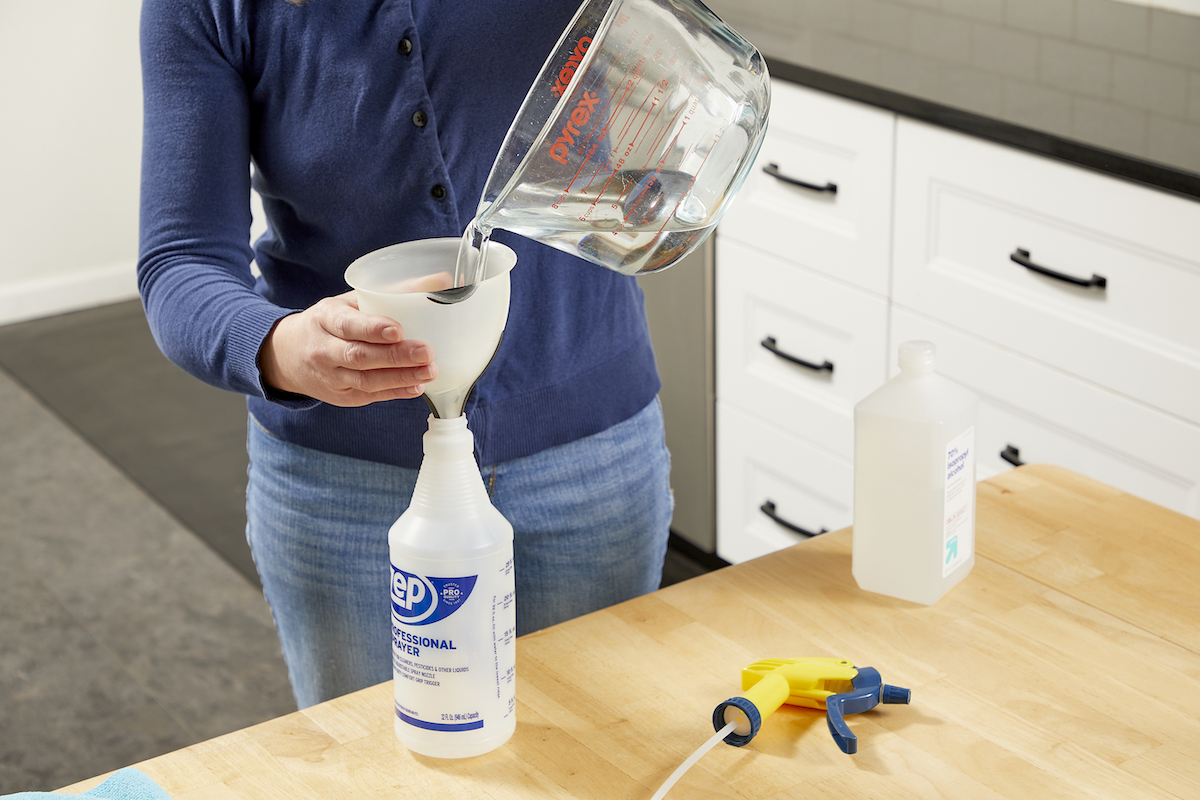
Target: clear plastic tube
[{"x": 693, "y": 758}]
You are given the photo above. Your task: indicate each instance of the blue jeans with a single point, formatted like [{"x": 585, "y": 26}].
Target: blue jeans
[{"x": 591, "y": 520}]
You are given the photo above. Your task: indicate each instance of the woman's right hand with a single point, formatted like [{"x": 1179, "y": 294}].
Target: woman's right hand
[{"x": 335, "y": 353}]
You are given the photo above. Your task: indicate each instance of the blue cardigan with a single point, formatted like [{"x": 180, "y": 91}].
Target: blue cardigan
[{"x": 367, "y": 122}]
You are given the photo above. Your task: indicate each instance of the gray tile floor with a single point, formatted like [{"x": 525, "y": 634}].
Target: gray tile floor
[
  {"x": 122, "y": 635},
  {"x": 131, "y": 621}
]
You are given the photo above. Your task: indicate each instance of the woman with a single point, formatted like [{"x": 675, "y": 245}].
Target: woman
[{"x": 368, "y": 123}]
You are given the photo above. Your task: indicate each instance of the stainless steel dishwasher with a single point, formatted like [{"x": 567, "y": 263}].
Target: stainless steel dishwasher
[{"x": 679, "y": 305}]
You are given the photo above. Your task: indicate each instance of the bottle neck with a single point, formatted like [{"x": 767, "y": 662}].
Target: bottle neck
[{"x": 449, "y": 473}]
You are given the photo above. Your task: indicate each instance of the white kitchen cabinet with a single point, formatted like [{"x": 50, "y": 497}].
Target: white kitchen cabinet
[
  {"x": 1103, "y": 380},
  {"x": 801, "y": 319},
  {"x": 1052, "y": 417},
  {"x": 968, "y": 211},
  {"x": 796, "y": 348},
  {"x": 774, "y": 488},
  {"x": 839, "y": 222}
]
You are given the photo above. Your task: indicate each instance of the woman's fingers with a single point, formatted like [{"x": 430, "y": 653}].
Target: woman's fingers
[
  {"x": 340, "y": 317},
  {"x": 335, "y": 353}
]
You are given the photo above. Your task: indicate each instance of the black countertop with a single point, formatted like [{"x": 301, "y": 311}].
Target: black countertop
[{"x": 1113, "y": 86}]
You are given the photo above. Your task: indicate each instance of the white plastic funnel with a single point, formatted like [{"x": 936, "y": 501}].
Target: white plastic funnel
[{"x": 402, "y": 282}]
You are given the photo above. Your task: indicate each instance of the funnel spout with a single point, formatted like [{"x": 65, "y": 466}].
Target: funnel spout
[{"x": 451, "y": 403}]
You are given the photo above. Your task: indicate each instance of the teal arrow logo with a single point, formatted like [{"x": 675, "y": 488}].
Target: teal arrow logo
[{"x": 951, "y": 549}]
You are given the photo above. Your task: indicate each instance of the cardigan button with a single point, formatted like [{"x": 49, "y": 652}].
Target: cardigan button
[
  {"x": 419, "y": 119},
  {"x": 405, "y": 46},
  {"x": 438, "y": 191}
]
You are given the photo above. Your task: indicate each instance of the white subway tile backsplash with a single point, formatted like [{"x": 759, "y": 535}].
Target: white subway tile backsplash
[
  {"x": 1117, "y": 74},
  {"x": 1118, "y": 26},
  {"x": 881, "y": 22},
  {"x": 941, "y": 37},
  {"x": 1174, "y": 37},
  {"x": 1110, "y": 125},
  {"x": 1047, "y": 17},
  {"x": 1037, "y": 107},
  {"x": 1174, "y": 141},
  {"x": 1005, "y": 52},
  {"x": 1151, "y": 86},
  {"x": 985, "y": 10},
  {"x": 1075, "y": 68}
]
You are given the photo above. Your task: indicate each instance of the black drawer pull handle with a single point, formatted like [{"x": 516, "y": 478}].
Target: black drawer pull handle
[
  {"x": 773, "y": 171},
  {"x": 768, "y": 508},
  {"x": 769, "y": 343},
  {"x": 1012, "y": 455},
  {"x": 1022, "y": 257}
]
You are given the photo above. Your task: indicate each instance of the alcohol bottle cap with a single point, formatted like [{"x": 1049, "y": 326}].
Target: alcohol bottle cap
[{"x": 917, "y": 357}]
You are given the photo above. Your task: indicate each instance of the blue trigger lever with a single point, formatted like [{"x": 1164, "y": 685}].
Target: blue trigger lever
[{"x": 869, "y": 691}]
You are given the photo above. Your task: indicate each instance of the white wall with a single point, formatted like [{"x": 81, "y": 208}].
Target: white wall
[{"x": 70, "y": 147}]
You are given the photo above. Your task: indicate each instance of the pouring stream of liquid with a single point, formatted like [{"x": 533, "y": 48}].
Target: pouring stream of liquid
[{"x": 468, "y": 268}]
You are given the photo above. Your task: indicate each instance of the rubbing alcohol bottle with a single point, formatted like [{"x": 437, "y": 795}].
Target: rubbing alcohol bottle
[
  {"x": 454, "y": 613},
  {"x": 914, "y": 482}
]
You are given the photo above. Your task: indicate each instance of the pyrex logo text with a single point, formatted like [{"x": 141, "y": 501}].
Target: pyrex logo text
[
  {"x": 568, "y": 71},
  {"x": 578, "y": 119}
]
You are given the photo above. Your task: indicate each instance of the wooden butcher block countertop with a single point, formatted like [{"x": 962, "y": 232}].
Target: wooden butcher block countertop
[{"x": 1067, "y": 665}]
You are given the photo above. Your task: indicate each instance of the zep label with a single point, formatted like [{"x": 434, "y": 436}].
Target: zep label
[
  {"x": 449, "y": 637},
  {"x": 420, "y": 600}
]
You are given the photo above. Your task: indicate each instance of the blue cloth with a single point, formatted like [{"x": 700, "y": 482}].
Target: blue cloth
[
  {"x": 590, "y": 519},
  {"x": 124, "y": 784},
  {"x": 358, "y": 143}
]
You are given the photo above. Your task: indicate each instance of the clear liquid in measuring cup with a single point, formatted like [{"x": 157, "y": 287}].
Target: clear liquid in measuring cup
[
  {"x": 632, "y": 222},
  {"x": 639, "y": 130}
]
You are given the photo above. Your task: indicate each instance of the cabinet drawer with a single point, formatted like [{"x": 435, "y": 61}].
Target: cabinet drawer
[
  {"x": 824, "y": 141},
  {"x": 772, "y": 314},
  {"x": 965, "y": 207},
  {"x": 1057, "y": 419},
  {"x": 757, "y": 464}
]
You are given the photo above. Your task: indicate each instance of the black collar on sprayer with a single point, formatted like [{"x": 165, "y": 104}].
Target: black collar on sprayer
[{"x": 832, "y": 684}]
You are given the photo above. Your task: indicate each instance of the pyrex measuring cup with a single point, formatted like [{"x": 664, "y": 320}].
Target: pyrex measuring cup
[{"x": 633, "y": 140}]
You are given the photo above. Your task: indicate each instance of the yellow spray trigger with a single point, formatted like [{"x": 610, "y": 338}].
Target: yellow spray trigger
[{"x": 833, "y": 684}]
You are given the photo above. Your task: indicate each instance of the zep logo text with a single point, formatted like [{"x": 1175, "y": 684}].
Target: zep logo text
[
  {"x": 412, "y": 593},
  {"x": 421, "y": 600}
]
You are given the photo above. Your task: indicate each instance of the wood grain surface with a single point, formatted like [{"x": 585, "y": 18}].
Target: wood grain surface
[{"x": 1067, "y": 665}]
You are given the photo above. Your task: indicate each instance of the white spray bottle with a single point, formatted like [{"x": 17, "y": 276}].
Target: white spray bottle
[
  {"x": 454, "y": 619},
  {"x": 914, "y": 482}
]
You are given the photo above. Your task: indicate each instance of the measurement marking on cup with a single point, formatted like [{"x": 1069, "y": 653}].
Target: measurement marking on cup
[
  {"x": 666, "y": 152},
  {"x": 576, "y": 175},
  {"x": 663, "y": 130},
  {"x": 631, "y": 83},
  {"x": 661, "y": 107},
  {"x": 633, "y": 141}
]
